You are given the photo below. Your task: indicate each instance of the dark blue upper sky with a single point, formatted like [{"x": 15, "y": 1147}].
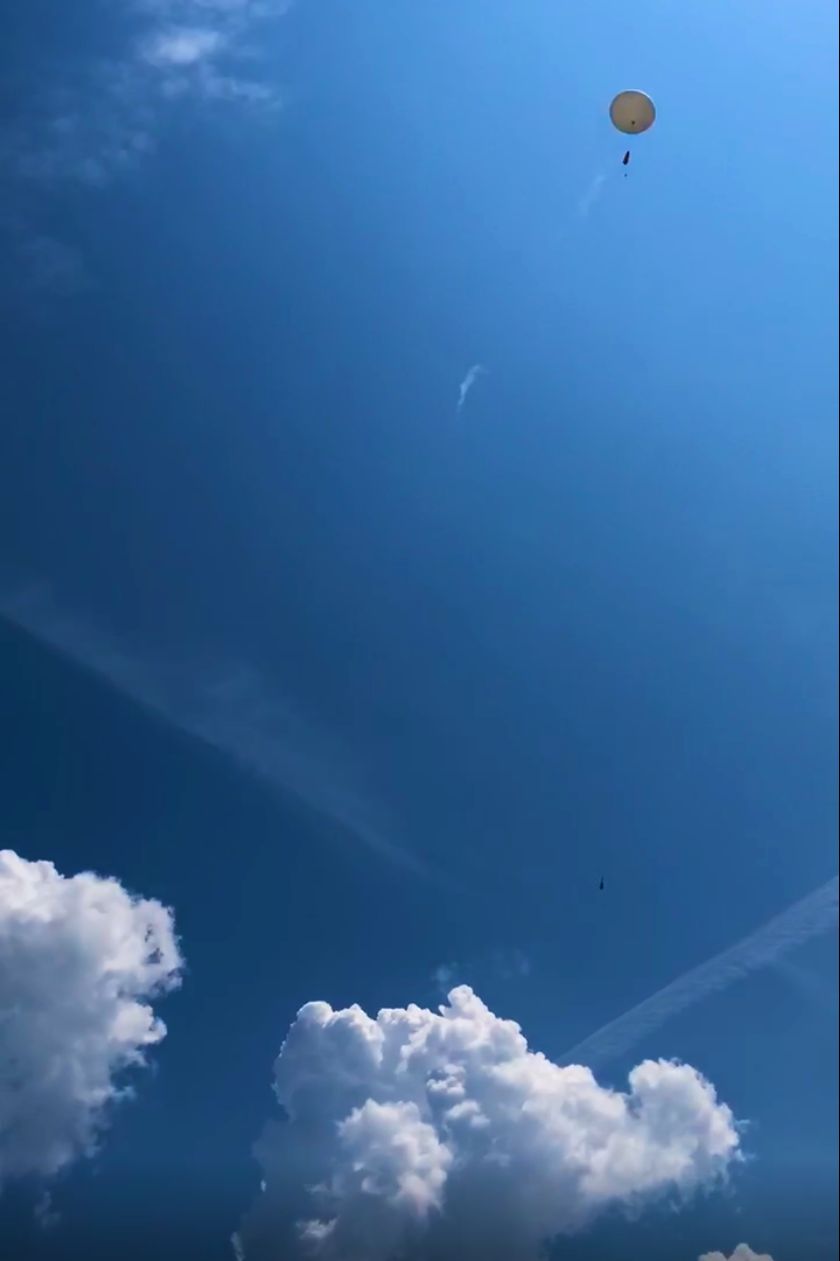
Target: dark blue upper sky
[{"x": 587, "y": 627}]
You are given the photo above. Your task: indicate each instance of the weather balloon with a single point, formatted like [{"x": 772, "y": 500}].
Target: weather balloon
[{"x": 631, "y": 114}]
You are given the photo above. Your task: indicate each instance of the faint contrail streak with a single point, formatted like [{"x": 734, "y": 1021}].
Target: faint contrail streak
[
  {"x": 233, "y": 716},
  {"x": 819, "y": 991},
  {"x": 591, "y": 195},
  {"x": 476, "y": 371},
  {"x": 815, "y": 914}
]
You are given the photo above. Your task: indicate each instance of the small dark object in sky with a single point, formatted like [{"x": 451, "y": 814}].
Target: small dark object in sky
[
  {"x": 601, "y": 885},
  {"x": 626, "y": 158}
]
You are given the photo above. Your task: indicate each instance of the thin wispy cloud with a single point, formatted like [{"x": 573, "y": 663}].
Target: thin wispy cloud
[
  {"x": 495, "y": 966},
  {"x": 473, "y": 373},
  {"x": 231, "y": 710},
  {"x": 184, "y": 47},
  {"x": 45, "y": 1213},
  {"x": 591, "y": 195},
  {"x": 814, "y": 990},
  {"x": 35, "y": 269},
  {"x": 810, "y": 917},
  {"x": 92, "y": 119},
  {"x": 89, "y": 120},
  {"x": 53, "y": 265}
]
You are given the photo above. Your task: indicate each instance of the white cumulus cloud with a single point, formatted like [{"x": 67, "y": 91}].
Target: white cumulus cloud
[
  {"x": 80, "y": 960},
  {"x": 440, "y": 1135},
  {"x": 742, "y": 1253}
]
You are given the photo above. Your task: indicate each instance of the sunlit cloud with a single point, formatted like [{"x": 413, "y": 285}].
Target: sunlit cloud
[
  {"x": 81, "y": 961},
  {"x": 441, "y": 1135},
  {"x": 742, "y": 1253}
]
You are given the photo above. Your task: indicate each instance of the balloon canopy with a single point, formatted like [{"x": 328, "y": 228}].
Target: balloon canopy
[{"x": 632, "y": 113}]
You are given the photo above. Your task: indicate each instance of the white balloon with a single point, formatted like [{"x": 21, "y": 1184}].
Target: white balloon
[{"x": 632, "y": 113}]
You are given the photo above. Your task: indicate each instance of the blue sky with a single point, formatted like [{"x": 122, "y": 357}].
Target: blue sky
[{"x": 586, "y": 627}]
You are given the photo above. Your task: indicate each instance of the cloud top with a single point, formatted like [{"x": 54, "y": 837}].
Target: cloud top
[
  {"x": 442, "y": 1135},
  {"x": 742, "y": 1253},
  {"x": 80, "y": 961}
]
